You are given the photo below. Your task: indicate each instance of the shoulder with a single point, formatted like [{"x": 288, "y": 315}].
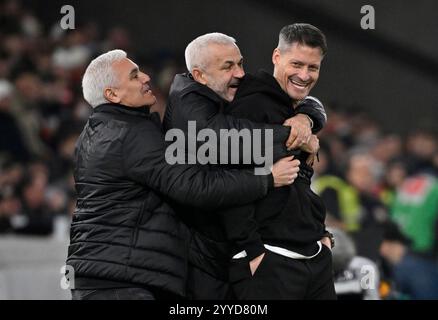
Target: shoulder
[{"x": 186, "y": 89}]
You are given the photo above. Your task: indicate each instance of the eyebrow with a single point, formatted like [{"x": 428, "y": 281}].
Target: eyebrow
[
  {"x": 231, "y": 62},
  {"x": 133, "y": 72}
]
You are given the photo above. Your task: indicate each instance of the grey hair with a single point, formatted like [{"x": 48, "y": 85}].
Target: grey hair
[
  {"x": 100, "y": 75},
  {"x": 194, "y": 53}
]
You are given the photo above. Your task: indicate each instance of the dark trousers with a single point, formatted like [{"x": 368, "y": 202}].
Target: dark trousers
[
  {"x": 203, "y": 286},
  {"x": 112, "y": 294},
  {"x": 282, "y": 278}
]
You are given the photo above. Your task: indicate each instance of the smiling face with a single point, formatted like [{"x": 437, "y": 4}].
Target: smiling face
[
  {"x": 133, "y": 89},
  {"x": 297, "y": 69},
  {"x": 223, "y": 70}
]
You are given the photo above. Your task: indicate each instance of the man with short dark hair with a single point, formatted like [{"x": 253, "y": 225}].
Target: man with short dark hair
[
  {"x": 215, "y": 67},
  {"x": 281, "y": 249}
]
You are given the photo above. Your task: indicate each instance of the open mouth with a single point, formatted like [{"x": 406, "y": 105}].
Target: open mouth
[
  {"x": 146, "y": 89},
  {"x": 234, "y": 83},
  {"x": 299, "y": 84}
]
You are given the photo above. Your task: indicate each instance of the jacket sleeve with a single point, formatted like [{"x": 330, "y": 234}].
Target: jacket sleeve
[
  {"x": 145, "y": 162},
  {"x": 240, "y": 223},
  {"x": 241, "y": 229},
  {"x": 253, "y": 107},
  {"x": 205, "y": 112},
  {"x": 314, "y": 108}
]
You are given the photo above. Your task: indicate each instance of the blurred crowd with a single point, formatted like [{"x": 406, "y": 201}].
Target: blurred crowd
[
  {"x": 381, "y": 194},
  {"x": 42, "y": 110},
  {"x": 380, "y": 187}
]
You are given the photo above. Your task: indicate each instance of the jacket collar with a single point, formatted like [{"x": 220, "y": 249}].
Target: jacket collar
[
  {"x": 115, "y": 108},
  {"x": 270, "y": 80},
  {"x": 184, "y": 83}
]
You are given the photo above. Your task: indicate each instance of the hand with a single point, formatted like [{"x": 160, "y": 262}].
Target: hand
[
  {"x": 326, "y": 241},
  {"x": 285, "y": 171},
  {"x": 300, "y": 131},
  {"x": 311, "y": 159},
  {"x": 311, "y": 147},
  {"x": 254, "y": 263}
]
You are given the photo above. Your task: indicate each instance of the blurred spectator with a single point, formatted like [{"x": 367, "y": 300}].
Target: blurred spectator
[
  {"x": 73, "y": 52},
  {"x": 362, "y": 177},
  {"x": 415, "y": 209},
  {"x": 421, "y": 147},
  {"x": 34, "y": 217},
  {"x": 118, "y": 37},
  {"x": 339, "y": 197},
  {"x": 352, "y": 205},
  {"x": 11, "y": 137},
  {"x": 25, "y": 107},
  {"x": 414, "y": 276},
  {"x": 356, "y": 277},
  {"x": 394, "y": 176}
]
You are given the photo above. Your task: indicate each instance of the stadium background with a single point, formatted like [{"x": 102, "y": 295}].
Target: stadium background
[{"x": 379, "y": 86}]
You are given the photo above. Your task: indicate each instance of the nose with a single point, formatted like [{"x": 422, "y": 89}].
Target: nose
[
  {"x": 304, "y": 74},
  {"x": 238, "y": 72},
  {"x": 144, "y": 77}
]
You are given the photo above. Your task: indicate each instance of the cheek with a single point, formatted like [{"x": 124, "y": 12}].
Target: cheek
[
  {"x": 289, "y": 71},
  {"x": 224, "y": 83},
  {"x": 226, "y": 79}
]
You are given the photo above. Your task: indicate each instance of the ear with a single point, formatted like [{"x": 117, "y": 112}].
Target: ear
[
  {"x": 111, "y": 95},
  {"x": 198, "y": 75},
  {"x": 276, "y": 55}
]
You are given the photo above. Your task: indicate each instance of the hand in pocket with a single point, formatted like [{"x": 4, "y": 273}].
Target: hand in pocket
[{"x": 254, "y": 263}]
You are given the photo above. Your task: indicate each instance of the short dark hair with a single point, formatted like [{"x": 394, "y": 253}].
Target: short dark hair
[{"x": 303, "y": 33}]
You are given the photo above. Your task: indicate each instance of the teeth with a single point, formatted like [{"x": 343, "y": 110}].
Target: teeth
[{"x": 298, "y": 84}]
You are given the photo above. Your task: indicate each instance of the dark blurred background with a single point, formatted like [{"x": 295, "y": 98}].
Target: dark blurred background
[
  {"x": 391, "y": 70},
  {"x": 378, "y": 164}
]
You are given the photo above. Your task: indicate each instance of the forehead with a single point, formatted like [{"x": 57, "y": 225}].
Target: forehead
[
  {"x": 303, "y": 53},
  {"x": 220, "y": 53},
  {"x": 124, "y": 66}
]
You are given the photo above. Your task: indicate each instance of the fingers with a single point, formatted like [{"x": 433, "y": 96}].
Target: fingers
[
  {"x": 292, "y": 137},
  {"x": 296, "y": 144},
  {"x": 285, "y": 171},
  {"x": 300, "y": 131},
  {"x": 254, "y": 263},
  {"x": 287, "y": 159},
  {"x": 292, "y": 179},
  {"x": 301, "y": 140},
  {"x": 299, "y": 136},
  {"x": 293, "y": 171},
  {"x": 310, "y": 159},
  {"x": 296, "y": 163}
]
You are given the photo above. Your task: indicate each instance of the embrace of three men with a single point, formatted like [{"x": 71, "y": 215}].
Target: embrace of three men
[{"x": 147, "y": 229}]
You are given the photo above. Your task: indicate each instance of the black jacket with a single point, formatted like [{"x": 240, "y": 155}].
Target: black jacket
[
  {"x": 192, "y": 101},
  {"x": 123, "y": 228},
  {"x": 290, "y": 217}
]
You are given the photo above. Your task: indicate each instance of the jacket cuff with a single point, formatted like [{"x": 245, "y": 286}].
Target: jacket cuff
[
  {"x": 313, "y": 108},
  {"x": 267, "y": 182},
  {"x": 254, "y": 249},
  {"x": 317, "y": 123},
  {"x": 270, "y": 181}
]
